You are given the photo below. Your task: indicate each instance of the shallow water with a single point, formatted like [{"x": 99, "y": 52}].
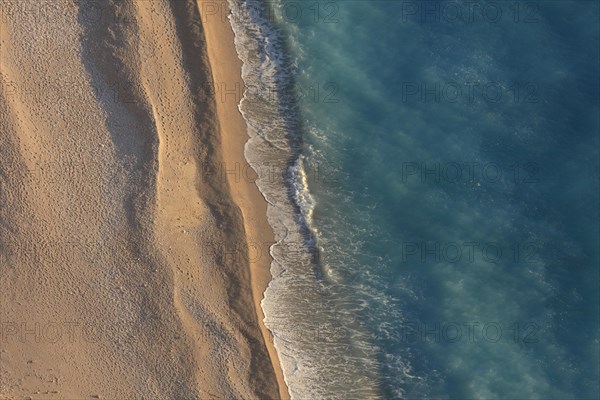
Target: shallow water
[{"x": 437, "y": 210}]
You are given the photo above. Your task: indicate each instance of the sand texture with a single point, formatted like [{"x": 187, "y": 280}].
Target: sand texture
[{"x": 124, "y": 261}]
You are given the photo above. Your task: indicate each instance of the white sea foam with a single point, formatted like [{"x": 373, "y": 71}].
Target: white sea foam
[{"x": 311, "y": 337}]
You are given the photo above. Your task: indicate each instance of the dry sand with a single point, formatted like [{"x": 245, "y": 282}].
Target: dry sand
[{"x": 123, "y": 247}]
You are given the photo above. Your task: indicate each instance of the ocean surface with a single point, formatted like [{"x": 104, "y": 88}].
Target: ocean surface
[{"x": 432, "y": 170}]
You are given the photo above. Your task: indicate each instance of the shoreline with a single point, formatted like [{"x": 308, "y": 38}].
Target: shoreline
[{"x": 221, "y": 51}]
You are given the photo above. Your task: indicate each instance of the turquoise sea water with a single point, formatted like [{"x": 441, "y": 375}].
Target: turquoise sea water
[{"x": 437, "y": 215}]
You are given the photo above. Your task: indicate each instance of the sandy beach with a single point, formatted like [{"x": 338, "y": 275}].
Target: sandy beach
[{"x": 128, "y": 248}]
